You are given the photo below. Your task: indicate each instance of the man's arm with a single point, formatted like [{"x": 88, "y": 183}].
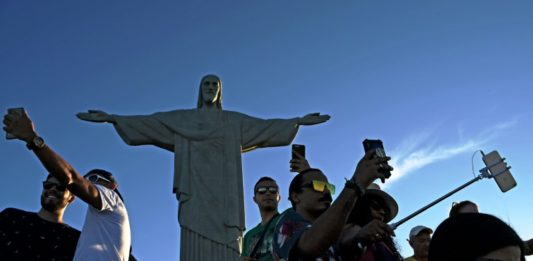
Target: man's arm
[
  {"x": 328, "y": 227},
  {"x": 22, "y": 127}
]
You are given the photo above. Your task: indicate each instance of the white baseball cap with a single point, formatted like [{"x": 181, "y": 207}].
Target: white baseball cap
[{"x": 416, "y": 230}]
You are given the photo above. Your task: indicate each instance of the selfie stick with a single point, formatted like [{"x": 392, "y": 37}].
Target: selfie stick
[{"x": 484, "y": 174}]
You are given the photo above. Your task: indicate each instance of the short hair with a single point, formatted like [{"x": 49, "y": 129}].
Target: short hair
[
  {"x": 49, "y": 176},
  {"x": 296, "y": 183},
  {"x": 457, "y": 206},
  {"x": 471, "y": 235},
  {"x": 265, "y": 178}
]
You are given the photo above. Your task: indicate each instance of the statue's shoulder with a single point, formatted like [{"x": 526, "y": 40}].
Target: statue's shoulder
[
  {"x": 234, "y": 114},
  {"x": 196, "y": 112},
  {"x": 179, "y": 111}
]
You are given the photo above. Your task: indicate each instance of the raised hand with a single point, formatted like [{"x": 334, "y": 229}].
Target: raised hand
[
  {"x": 313, "y": 118},
  {"x": 95, "y": 116},
  {"x": 371, "y": 168},
  {"x": 299, "y": 163},
  {"x": 20, "y": 126}
]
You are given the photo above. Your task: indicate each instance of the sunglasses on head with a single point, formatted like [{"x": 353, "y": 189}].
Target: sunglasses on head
[
  {"x": 49, "y": 185},
  {"x": 95, "y": 178},
  {"x": 320, "y": 186},
  {"x": 263, "y": 190}
]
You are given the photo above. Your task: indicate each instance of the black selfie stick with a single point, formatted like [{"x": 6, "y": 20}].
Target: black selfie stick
[{"x": 485, "y": 173}]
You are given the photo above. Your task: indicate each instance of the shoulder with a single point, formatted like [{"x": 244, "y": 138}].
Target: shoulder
[
  {"x": 109, "y": 197},
  {"x": 15, "y": 212},
  {"x": 253, "y": 230},
  {"x": 235, "y": 114},
  {"x": 174, "y": 112},
  {"x": 289, "y": 229},
  {"x": 290, "y": 214},
  {"x": 70, "y": 230},
  {"x": 291, "y": 223}
]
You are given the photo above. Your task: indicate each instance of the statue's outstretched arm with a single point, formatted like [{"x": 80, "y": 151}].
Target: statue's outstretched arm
[
  {"x": 96, "y": 116},
  {"x": 313, "y": 118}
]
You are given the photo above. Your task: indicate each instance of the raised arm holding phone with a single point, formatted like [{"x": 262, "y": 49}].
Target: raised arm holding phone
[
  {"x": 314, "y": 223},
  {"x": 106, "y": 232}
]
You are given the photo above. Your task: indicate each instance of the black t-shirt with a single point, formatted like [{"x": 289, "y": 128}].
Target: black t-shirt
[{"x": 26, "y": 236}]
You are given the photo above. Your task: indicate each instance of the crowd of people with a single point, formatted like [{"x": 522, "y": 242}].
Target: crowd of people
[
  {"x": 354, "y": 226},
  {"x": 298, "y": 232}
]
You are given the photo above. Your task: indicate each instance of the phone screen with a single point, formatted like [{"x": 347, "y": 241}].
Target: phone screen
[
  {"x": 498, "y": 168},
  {"x": 300, "y": 149}
]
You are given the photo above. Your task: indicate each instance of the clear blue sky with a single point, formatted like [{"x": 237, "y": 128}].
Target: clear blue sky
[{"x": 435, "y": 80}]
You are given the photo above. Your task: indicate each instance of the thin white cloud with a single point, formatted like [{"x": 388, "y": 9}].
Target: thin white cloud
[{"x": 415, "y": 152}]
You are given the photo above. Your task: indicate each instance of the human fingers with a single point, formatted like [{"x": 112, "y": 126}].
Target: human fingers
[
  {"x": 6, "y": 121},
  {"x": 382, "y": 163},
  {"x": 10, "y": 117},
  {"x": 387, "y": 230}
]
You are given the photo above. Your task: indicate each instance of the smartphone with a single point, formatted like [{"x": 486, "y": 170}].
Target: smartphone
[
  {"x": 15, "y": 111},
  {"x": 498, "y": 168},
  {"x": 298, "y": 148},
  {"x": 380, "y": 152}
]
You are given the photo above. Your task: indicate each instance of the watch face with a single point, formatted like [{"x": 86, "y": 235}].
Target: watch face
[{"x": 38, "y": 142}]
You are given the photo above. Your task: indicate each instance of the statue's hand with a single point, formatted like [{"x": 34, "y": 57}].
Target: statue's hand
[
  {"x": 313, "y": 118},
  {"x": 95, "y": 116}
]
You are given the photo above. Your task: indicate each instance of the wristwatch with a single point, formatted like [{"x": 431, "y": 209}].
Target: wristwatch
[
  {"x": 351, "y": 184},
  {"x": 35, "y": 143}
]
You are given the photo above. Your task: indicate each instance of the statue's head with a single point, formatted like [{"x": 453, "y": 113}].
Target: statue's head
[{"x": 210, "y": 91}]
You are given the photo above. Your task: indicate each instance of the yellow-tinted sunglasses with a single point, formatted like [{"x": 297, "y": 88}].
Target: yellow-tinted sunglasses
[{"x": 320, "y": 186}]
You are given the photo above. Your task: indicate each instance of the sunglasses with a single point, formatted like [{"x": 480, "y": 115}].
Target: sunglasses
[
  {"x": 50, "y": 185},
  {"x": 263, "y": 190},
  {"x": 95, "y": 178},
  {"x": 320, "y": 186}
]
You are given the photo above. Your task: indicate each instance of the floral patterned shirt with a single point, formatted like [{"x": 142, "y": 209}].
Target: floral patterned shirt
[{"x": 289, "y": 229}]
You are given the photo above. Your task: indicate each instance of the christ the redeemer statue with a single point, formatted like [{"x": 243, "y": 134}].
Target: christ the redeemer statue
[{"x": 207, "y": 143}]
